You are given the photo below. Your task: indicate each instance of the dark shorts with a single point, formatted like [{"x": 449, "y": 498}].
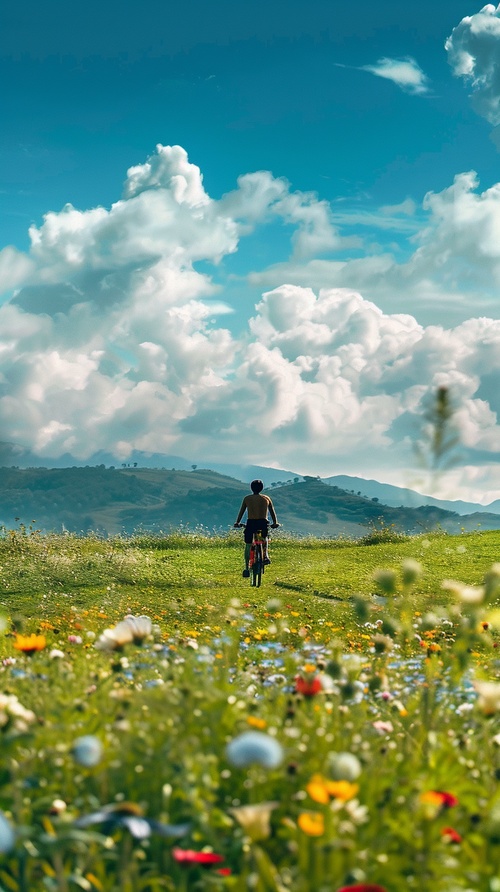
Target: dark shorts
[{"x": 252, "y": 526}]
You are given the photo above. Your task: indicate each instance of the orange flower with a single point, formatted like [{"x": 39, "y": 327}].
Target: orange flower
[
  {"x": 317, "y": 789},
  {"x": 342, "y": 789},
  {"x": 322, "y": 790},
  {"x": 255, "y": 722},
  {"x": 28, "y": 644},
  {"x": 312, "y": 823}
]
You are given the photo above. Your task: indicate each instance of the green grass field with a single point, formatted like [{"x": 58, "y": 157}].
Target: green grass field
[{"x": 336, "y": 728}]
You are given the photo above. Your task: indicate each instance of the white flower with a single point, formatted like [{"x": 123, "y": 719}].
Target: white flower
[
  {"x": 14, "y": 715},
  {"x": 358, "y": 813},
  {"x": 489, "y": 696},
  {"x": 464, "y": 707},
  {"x": 192, "y": 643},
  {"x": 58, "y": 807},
  {"x": 87, "y": 751},
  {"x": 131, "y": 629},
  {"x": 327, "y": 683},
  {"x": 141, "y": 627},
  {"x": 467, "y": 594},
  {"x": 115, "y": 638},
  {"x": 344, "y": 766},
  {"x": 255, "y": 819},
  {"x": 56, "y": 654}
]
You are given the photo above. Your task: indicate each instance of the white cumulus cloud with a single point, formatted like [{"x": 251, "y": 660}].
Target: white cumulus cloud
[
  {"x": 405, "y": 73},
  {"x": 110, "y": 341},
  {"x": 474, "y": 54},
  {"x": 455, "y": 259},
  {"x": 330, "y": 378}
]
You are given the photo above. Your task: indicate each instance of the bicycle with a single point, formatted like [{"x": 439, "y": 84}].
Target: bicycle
[
  {"x": 257, "y": 555},
  {"x": 256, "y": 563}
]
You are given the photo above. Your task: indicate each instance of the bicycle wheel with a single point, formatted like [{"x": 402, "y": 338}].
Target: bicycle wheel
[{"x": 257, "y": 566}]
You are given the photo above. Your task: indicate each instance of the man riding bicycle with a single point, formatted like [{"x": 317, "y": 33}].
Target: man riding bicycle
[{"x": 257, "y": 506}]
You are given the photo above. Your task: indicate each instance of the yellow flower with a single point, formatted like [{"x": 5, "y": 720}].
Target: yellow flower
[
  {"x": 312, "y": 823},
  {"x": 28, "y": 644}
]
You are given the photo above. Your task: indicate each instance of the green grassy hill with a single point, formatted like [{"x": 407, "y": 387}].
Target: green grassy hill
[{"x": 124, "y": 500}]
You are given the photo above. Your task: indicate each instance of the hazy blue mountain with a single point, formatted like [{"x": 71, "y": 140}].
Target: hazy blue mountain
[{"x": 396, "y": 496}]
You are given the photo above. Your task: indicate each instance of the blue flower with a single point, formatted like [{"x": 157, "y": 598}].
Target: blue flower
[
  {"x": 254, "y": 747},
  {"x": 130, "y": 816},
  {"x": 87, "y": 751},
  {"x": 7, "y": 835}
]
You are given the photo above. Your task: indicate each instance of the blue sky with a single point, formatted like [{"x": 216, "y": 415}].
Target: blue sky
[{"x": 341, "y": 160}]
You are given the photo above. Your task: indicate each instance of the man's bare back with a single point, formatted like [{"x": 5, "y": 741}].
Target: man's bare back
[{"x": 257, "y": 507}]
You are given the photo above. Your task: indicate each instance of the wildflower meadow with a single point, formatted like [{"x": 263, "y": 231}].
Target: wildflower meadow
[{"x": 166, "y": 726}]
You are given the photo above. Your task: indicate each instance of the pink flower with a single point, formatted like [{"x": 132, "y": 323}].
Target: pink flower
[{"x": 383, "y": 727}]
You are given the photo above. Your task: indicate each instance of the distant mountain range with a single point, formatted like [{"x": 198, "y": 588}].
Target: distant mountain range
[
  {"x": 113, "y": 500},
  {"x": 387, "y": 494}
]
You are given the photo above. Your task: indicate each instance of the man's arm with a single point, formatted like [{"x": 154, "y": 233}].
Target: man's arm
[
  {"x": 272, "y": 512},
  {"x": 241, "y": 511}
]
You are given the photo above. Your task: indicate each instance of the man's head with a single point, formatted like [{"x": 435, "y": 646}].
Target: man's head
[{"x": 256, "y": 486}]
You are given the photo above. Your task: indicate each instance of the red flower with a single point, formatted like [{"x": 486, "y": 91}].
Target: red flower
[
  {"x": 448, "y": 800},
  {"x": 309, "y": 683},
  {"x": 451, "y": 835},
  {"x": 189, "y": 857},
  {"x": 362, "y": 887}
]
